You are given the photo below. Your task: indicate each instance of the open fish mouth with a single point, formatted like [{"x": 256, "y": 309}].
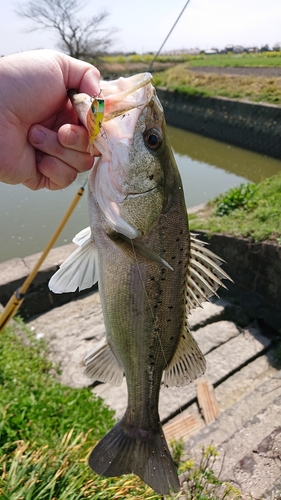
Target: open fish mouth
[{"x": 122, "y": 95}]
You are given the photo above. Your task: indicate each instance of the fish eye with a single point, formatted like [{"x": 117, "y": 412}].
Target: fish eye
[{"x": 153, "y": 139}]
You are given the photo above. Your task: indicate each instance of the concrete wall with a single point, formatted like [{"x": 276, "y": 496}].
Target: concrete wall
[
  {"x": 255, "y": 269},
  {"x": 251, "y": 126}
]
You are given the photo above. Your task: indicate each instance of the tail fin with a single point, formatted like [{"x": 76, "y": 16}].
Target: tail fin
[{"x": 128, "y": 449}]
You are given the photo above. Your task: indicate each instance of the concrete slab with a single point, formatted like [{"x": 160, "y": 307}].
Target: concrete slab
[{"x": 248, "y": 435}]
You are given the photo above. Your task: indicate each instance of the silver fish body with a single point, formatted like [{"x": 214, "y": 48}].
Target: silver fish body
[{"x": 151, "y": 272}]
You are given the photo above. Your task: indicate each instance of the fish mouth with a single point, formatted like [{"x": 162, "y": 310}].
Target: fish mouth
[{"x": 134, "y": 92}]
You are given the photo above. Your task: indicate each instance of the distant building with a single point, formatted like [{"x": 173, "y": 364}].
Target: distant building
[
  {"x": 178, "y": 52},
  {"x": 211, "y": 51}
]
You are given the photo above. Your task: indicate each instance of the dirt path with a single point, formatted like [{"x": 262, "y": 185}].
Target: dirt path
[{"x": 238, "y": 70}]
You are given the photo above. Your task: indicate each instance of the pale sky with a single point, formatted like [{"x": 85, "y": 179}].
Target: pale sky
[{"x": 144, "y": 24}]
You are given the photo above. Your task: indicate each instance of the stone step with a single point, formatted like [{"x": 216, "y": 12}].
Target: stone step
[
  {"x": 229, "y": 392},
  {"x": 248, "y": 438}
]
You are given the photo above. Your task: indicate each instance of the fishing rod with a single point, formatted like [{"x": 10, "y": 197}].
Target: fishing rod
[
  {"x": 179, "y": 16},
  {"x": 19, "y": 295}
]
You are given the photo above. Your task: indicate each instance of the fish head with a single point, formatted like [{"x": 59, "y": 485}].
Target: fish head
[{"x": 128, "y": 181}]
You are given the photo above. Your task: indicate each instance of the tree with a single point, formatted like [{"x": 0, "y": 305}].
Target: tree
[{"x": 80, "y": 38}]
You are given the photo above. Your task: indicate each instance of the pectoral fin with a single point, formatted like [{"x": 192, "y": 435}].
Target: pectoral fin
[
  {"x": 101, "y": 364},
  {"x": 80, "y": 269},
  {"x": 187, "y": 364}
]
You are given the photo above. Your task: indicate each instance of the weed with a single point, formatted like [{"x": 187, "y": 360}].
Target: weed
[
  {"x": 252, "y": 212},
  {"x": 201, "y": 483},
  {"x": 239, "y": 197}
]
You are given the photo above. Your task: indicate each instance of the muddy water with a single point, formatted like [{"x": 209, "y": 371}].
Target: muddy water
[{"x": 208, "y": 168}]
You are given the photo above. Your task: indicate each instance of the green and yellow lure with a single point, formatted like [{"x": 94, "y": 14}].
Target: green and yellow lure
[{"x": 95, "y": 117}]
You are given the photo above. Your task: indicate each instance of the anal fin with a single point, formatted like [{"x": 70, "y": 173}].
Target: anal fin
[{"x": 187, "y": 364}]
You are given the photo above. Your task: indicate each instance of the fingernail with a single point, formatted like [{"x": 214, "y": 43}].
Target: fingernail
[
  {"x": 71, "y": 137},
  {"x": 37, "y": 136}
]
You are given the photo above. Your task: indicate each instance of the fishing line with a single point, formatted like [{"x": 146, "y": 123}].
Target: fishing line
[{"x": 155, "y": 57}]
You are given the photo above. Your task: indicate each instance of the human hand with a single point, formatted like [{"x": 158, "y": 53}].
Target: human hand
[{"x": 41, "y": 141}]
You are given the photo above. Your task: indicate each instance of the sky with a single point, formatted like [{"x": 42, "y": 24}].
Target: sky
[{"x": 143, "y": 25}]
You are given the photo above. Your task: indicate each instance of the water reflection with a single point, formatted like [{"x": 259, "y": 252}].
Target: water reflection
[{"x": 208, "y": 168}]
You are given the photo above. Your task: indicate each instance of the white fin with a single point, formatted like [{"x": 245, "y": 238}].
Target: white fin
[
  {"x": 187, "y": 364},
  {"x": 204, "y": 275},
  {"x": 101, "y": 364},
  {"x": 82, "y": 236},
  {"x": 79, "y": 270}
]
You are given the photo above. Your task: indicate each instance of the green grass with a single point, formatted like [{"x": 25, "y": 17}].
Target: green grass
[
  {"x": 230, "y": 59},
  {"x": 47, "y": 431},
  {"x": 252, "y": 211},
  {"x": 34, "y": 406}
]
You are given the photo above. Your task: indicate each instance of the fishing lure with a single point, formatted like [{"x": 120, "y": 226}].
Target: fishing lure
[{"x": 95, "y": 117}]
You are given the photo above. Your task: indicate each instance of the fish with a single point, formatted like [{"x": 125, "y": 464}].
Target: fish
[{"x": 151, "y": 273}]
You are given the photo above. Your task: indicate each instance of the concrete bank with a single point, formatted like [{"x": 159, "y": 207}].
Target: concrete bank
[
  {"x": 252, "y": 126},
  {"x": 254, "y": 267}
]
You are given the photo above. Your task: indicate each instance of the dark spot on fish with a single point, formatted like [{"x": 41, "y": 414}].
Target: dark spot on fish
[
  {"x": 178, "y": 239},
  {"x": 179, "y": 262},
  {"x": 170, "y": 307},
  {"x": 152, "y": 278},
  {"x": 168, "y": 320},
  {"x": 163, "y": 279},
  {"x": 173, "y": 257},
  {"x": 151, "y": 177}
]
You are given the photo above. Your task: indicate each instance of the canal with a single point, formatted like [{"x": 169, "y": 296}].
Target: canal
[{"x": 207, "y": 167}]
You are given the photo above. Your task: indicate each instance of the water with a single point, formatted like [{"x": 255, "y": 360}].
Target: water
[{"x": 208, "y": 168}]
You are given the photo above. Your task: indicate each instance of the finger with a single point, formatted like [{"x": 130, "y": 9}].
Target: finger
[
  {"x": 55, "y": 173},
  {"x": 74, "y": 137},
  {"x": 47, "y": 141}
]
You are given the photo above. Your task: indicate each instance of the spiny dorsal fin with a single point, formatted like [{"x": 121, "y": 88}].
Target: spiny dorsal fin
[
  {"x": 101, "y": 364},
  {"x": 204, "y": 276},
  {"x": 80, "y": 269},
  {"x": 188, "y": 362}
]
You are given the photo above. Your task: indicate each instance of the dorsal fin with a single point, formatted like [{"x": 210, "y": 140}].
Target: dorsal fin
[{"x": 204, "y": 274}]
